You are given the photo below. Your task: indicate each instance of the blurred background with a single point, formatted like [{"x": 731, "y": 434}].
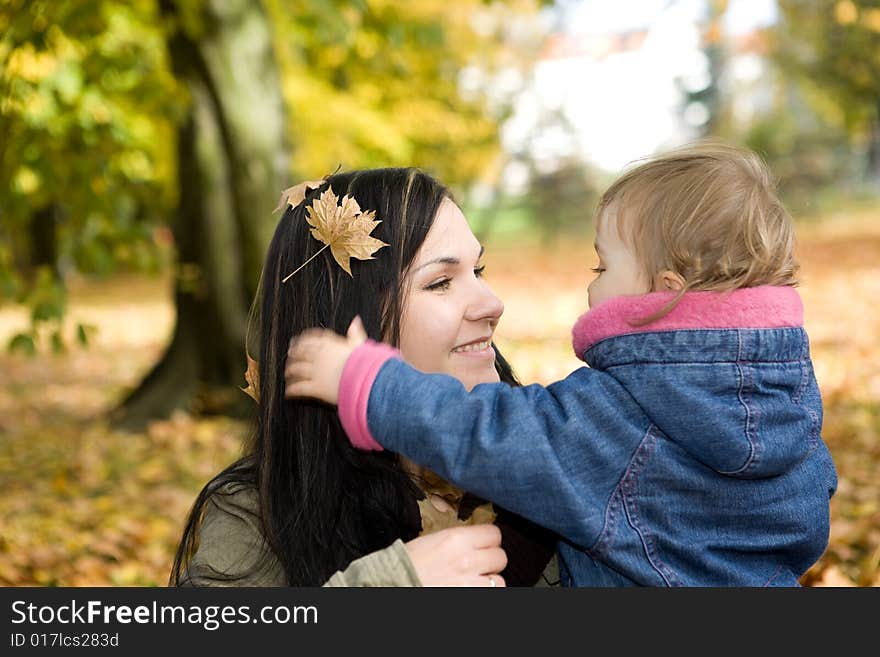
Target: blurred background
[{"x": 143, "y": 146}]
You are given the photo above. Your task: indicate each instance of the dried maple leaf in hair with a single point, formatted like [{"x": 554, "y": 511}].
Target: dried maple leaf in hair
[
  {"x": 344, "y": 228},
  {"x": 252, "y": 376},
  {"x": 293, "y": 196}
]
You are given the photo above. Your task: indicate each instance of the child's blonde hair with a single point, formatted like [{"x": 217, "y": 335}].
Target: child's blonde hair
[{"x": 710, "y": 213}]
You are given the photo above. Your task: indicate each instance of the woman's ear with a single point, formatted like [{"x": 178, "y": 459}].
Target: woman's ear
[{"x": 668, "y": 281}]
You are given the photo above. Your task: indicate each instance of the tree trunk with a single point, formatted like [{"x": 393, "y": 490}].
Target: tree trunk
[
  {"x": 44, "y": 243},
  {"x": 231, "y": 167},
  {"x": 37, "y": 245}
]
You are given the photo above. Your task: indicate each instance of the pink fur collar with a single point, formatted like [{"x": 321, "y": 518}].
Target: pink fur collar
[{"x": 755, "y": 307}]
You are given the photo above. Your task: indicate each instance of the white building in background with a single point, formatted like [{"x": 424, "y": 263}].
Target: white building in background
[{"x": 616, "y": 72}]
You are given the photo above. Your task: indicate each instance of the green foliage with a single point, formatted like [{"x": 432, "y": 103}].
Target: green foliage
[
  {"x": 806, "y": 153},
  {"x": 23, "y": 343},
  {"x": 834, "y": 45},
  {"x": 818, "y": 118},
  {"x": 837, "y": 44},
  {"x": 85, "y": 102},
  {"x": 47, "y": 300}
]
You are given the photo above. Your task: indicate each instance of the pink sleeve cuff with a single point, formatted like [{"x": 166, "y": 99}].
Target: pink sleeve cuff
[{"x": 358, "y": 375}]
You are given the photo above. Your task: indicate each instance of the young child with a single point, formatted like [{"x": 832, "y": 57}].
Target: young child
[{"x": 689, "y": 452}]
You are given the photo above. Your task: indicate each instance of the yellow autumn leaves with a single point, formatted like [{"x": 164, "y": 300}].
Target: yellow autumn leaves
[
  {"x": 344, "y": 228},
  {"x": 847, "y": 12}
]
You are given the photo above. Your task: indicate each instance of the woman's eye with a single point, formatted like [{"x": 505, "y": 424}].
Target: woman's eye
[
  {"x": 439, "y": 285},
  {"x": 478, "y": 271}
]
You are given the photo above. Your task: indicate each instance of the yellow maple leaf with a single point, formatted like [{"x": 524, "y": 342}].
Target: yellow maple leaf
[
  {"x": 295, "y": 195},
  {"x": 344, "y": 228},
  {"x": 252, "y": 376}
]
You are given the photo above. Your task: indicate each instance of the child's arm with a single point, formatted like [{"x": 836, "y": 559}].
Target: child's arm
[{"x": 554, "y": 455}]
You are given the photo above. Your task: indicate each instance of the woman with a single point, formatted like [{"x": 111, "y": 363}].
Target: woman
[{"x": 303, "y": 505}]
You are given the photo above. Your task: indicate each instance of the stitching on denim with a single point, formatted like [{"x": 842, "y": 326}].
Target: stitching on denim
[
  {"x": 629, "y": 485},
  {"x": 598, "y": 548},
  {"x": 805, "y": 374},
  {"x": 773, "y": 576},
  {"x": 756, "y": 445},
  {"x": 751, "y": 459},
  {"x": 809, "y": 375},
  {"x": 669, "y": 365},
  {"x": 797, "y": 398},
  {"x": 616, "y": 498},
  {"x": 815, "y": 434}
]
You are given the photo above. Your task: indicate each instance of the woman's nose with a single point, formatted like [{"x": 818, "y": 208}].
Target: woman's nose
[{"x": 485, "y": 305}]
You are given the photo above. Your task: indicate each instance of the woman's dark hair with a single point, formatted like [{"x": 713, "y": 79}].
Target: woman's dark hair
[{"x": 323, "y": 503}]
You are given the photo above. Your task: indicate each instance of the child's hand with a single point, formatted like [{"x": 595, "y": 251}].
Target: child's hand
[{"x": 315, "y": 360}]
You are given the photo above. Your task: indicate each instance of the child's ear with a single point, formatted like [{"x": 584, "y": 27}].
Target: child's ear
[{"x": 668, "y": 281}]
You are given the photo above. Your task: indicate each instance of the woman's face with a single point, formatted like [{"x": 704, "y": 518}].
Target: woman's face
[{"x": 449, "y": 313}]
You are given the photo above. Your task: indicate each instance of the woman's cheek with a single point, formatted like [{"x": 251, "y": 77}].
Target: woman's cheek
[{"x": 427, "y": 338}]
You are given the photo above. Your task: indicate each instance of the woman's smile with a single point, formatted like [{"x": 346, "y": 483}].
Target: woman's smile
[{"x": 480, "y": 348}]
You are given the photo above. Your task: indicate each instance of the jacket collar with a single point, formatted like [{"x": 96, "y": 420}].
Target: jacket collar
[{"x": 754, "y": 307}]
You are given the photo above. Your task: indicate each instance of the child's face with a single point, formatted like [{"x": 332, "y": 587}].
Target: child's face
[
  {"x": 618, "y": 272},
  {"x": 450, "y": 314}
]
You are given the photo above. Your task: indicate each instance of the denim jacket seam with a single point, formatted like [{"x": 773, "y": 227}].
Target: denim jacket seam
[
  {"x": 598, "y": 549},
  {"x": 745, "y": 385},
  {"x": 806, "y": 369},
  {"x": 773, "y": 576},
  {"x": 616, "y": 498},
  {"x": 815, "y": 432},
  {"x": 805, "y": 375},
  {"x": 628, "y": 486}
]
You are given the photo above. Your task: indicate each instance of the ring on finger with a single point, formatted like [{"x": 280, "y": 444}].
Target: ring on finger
[{"x": 492, "y": 582}]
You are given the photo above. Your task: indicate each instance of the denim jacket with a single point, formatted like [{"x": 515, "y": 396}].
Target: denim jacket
[{"x": 687, "y": 453}]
